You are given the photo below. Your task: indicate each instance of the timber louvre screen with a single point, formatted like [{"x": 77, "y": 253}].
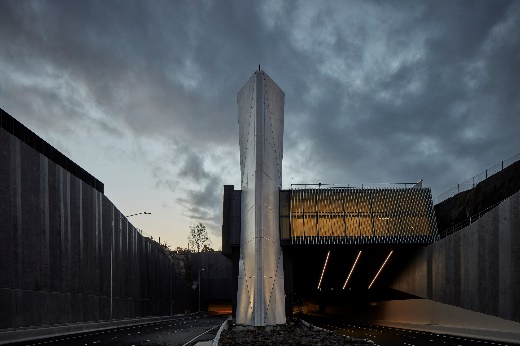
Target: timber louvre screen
[{"x": 360, "y": 216}]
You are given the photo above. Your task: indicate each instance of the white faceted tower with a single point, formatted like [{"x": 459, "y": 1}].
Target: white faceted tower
[{"x": 260, "y": 296}]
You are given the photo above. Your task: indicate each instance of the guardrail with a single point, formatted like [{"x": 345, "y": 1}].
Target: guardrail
[
  {"x": 473, "y": 181},
  {"x": 348, "y": 186}
]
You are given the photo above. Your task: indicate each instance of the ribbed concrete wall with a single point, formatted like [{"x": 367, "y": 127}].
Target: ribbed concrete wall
[
  {"x": 477, "y": 268},
  {"x": 56, "y": 236}
]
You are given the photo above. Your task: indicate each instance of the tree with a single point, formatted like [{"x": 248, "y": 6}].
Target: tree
[
  {"x": 166, "y": 247},
  {"x": 181, "y": 251},
  {"x": 207, "y": 248},
  {"x": 198, "y": 237}
]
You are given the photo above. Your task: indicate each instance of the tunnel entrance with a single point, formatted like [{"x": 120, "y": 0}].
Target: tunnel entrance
[{"x": 346, "y": 275}]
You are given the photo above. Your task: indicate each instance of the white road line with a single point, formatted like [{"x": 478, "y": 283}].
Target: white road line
[{"x": 198, "y": 336}]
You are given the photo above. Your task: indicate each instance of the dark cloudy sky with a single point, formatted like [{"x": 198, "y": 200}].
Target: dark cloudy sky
[{"x": 142, "y": 94}]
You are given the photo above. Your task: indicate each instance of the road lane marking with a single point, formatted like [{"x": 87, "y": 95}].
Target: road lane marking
[{"x": 198, "y": 336}]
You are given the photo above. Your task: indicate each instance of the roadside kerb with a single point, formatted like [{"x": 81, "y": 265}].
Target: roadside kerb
[
  {"x": 487, "y": 334},
  {"x": 26, "y": 334},
  {"x": 224, "y": 326}
]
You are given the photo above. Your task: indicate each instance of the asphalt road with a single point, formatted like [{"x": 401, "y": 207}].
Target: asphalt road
[
  {"x": 384, "y": 336},
  {"x": 185, "y": 330}
]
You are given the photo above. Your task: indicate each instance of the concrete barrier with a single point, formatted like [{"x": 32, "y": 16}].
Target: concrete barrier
[
  {"x": 26, "y": 334},
  {"x": 475, "y": 269}
]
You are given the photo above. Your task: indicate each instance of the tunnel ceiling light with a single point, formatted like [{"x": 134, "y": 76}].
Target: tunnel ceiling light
[
  {"x": 351, "y": 270},
  {"x": 379, "y": 271},
  {"x": 323, "y": 271}
]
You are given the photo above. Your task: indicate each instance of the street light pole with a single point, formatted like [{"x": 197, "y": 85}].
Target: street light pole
[
  {"x": 199, "y": 287},
  {"x": 112, "y": 268},
  {"x": 200, "y": 282},
  {"x": 143, "y": 213},
  {"x": 112, "y": 259}
]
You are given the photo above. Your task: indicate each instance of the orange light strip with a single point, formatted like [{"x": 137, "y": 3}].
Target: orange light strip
[
  {"x": 379, "y": 271},
  {"x": 351, "y": 270},
  {"x": 323, "y": 271}
]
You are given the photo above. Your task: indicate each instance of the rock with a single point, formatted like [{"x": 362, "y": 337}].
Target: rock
[{"x": 290, "y": 334}]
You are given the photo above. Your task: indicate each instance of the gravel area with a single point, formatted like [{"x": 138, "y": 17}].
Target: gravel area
[{"x": 290, "y": 334}]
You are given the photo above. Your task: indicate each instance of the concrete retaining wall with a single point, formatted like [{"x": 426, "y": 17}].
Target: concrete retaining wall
[
  {"x": 58, "y": 238},
  {"x": 477, "y": 268}
]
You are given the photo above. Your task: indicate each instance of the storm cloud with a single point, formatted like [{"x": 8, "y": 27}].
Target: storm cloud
[{"x": 376, "y": 92}]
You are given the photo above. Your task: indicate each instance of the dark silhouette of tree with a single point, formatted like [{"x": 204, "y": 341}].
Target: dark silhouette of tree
[
  {"x": 166, "y": 247},
  {"x": 207, "y": 248},
  {"x": 198, "y": 237},
  {"x": 181, "y": 251}
]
